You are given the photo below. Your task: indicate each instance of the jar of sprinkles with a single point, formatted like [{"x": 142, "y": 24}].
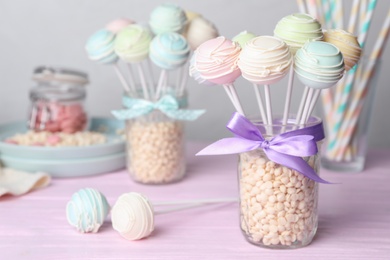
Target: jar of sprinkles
[{"x": 57, "y": 101}]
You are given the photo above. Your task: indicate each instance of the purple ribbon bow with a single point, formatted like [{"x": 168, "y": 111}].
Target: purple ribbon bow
[{"x": 286, "y": 149}]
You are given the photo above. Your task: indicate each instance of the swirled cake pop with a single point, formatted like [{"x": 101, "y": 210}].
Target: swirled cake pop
[
  {"x": 347, "y": 44},
  {"x": 319, "y": 65},
  {"x": 169, "y": 50},
  {"x": 265, "y": 60},
  {"x": 195, "y": 74},
  {"x": 132, "y": 216},
  {"x": 200, "y": 30},
  {"x": 167, "y": 18},
  {"x": 243, "y": 37},
  {"x": 118, "y": 24},
  {"x": 297, "y": 29},
  {"x": 100, "y": 47},
  {"x": 87, "y": 210},
  {"x": 132, "y": 43},
  {"x": 216, "y": 60}
]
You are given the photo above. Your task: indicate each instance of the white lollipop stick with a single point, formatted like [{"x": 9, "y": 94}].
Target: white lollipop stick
[
  {"x": 313, "y": 103},
  {"x": 229, "y": 94},
  {"x": 301, "y": 105},
  {"x": 143, "y": 81},
  {"x": 184, "y": 80},
  {"x": 307, "y": 105},
  {"x": 234, "y": 98},
  {"x": 149, "y": 74},
  {"x": 260, "y": 103},
  {"x": 179, "y": 77},
  {"x": 268, "y": 104},
  {"x": 160, "y": 84},
  {"x": 288, "y": 96},
  {"x": 189, "y": 202},
  {"x": 131, "y": 78},
  {"x": 122, "y": 79}
]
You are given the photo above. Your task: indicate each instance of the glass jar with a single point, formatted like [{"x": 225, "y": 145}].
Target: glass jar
[
  {"x": 57, "y": 102},
  {"x": 156, "y": 146},
  {"x": 278, "y": 205}
]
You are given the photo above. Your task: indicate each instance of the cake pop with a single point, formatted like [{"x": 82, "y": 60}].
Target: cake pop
[
  {"x": 216, "y": 61},
  {"x": 265, "y": 60},
  {"x": 87, "y": 210},
  {"x": 118, "y": 24},
  {"x": 167, "y": 18},
  {"x": 132, "y": 46},
  {"x": 200, "y": 30},
  {"x": 133, "y": 213},
  {"x": 318, "y": 65},
  {"x": 168, "y": 51},
  {"x": 195, "y": 74},
  {"x": 297, "y": 29},
  {"x": 100, "y": 48},
  {"x": 243, "y": 37},
  {"x": 347, "y": 44}
]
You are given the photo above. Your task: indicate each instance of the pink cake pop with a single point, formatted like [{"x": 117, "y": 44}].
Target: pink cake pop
[
  {"x": 216, "y": 62},
  {"x": 118, "y": 24}
]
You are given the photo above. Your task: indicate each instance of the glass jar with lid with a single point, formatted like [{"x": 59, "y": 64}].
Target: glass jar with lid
[{"x": 57, "y": 101}]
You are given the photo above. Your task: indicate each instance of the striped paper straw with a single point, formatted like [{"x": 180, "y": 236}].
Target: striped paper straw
[
  {"x": 327, "y": 13},
  {"x": 353, "y": 16},
  {"x": 301, "y": 6},
  {"x": 321, "y": 16},
  {"x": 367, "y": 22},
  {"x": 345, "y": 95},
  {"x": 357, "y": 103},
  {"x": 362, "y": 12},
  {"x": 312, "y": 8},
  {"x": 337, "y": 13}
]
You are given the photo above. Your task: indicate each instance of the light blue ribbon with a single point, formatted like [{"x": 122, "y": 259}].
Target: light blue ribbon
[{"x": 167, "y": 105}]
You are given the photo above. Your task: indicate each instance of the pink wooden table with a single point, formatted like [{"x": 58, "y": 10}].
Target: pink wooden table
[{"x": 354, "y": 218}]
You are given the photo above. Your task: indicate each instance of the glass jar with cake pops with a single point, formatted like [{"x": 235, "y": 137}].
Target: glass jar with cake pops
[{"x": 58, "y": 100}]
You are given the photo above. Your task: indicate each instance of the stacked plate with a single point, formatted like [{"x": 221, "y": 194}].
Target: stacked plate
[{"x": 65, "y": 162}]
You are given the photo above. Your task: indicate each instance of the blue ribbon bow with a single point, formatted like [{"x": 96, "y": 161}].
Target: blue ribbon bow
[
  {"x": 167, "y": 104},
  {"x": 286, "y": 149}
]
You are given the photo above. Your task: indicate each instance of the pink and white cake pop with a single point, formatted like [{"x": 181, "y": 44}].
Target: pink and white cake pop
[
  {"x": 265, "y": 60},
  {"x": 118, "y": 24},
  {"x": 216, "y": 60}
]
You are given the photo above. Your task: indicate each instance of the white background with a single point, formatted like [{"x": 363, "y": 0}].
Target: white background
[{"x": 47, "y": 32}]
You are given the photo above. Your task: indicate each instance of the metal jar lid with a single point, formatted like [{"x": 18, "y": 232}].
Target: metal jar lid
[{"x": 60, "y": 75}]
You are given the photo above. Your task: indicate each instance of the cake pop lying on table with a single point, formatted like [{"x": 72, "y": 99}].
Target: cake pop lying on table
[{"x": 132, "y": 215}]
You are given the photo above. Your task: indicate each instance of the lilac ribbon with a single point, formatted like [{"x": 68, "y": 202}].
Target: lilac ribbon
[{"x": 286, "y": 149}]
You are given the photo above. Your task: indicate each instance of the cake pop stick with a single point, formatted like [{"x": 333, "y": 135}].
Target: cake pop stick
[
  {"x": 133, "y": 214},
  {"x": 287, "y": 102},
  {"x": 260, "y": 104},
  {"x": 132, "y": 46},
  {"x": 169, "y": 51},
  {"x": 100, "y": 48},
  {"x": 216, "y": 62}
]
